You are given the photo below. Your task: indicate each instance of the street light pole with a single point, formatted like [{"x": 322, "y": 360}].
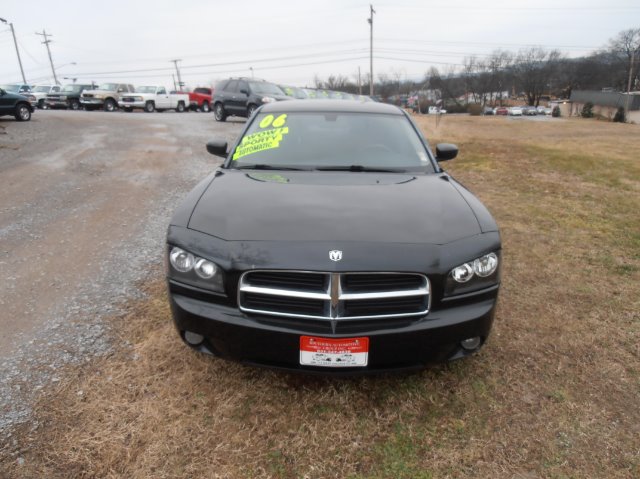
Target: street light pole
[
  {"x": 370, "y": 20},
  {"x": 46, "y": 42},
  {"x": 15, "y": 42}
]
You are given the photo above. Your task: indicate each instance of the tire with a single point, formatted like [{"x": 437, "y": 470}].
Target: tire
[
  {"x": 74, "y": 105},
  {"x": 250, "y": 109},
  {"x": 41, "y": 104},
  {"x": 23, "y": 113},
  {"x": 110, "y": 105},
  {"x": 180, "y": 107},
  {"x": 205, "y": 107},
  {"x": 219, "y": 113},
  {"x": 149, "y": 107}
]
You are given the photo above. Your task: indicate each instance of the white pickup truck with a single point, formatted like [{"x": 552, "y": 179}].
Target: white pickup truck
[{"x": 151, "y": 98}]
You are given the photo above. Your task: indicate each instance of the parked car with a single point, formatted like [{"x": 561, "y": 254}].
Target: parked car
[
  {"x": 241, "y": 97},
  {"x": 326, "y": 276},
  {"x": 22, "y": 89},
  {"x": 311, "y": 93},
  {"x": 294, "y": 92},
  {"x": 434, "y": 110},
  {"x": 15, "y": 105},
  {"x": 153, "y": 97},
  {"x": 106, "y": 96},
  {"x": 488, "y": 111},
  {"x": 41, "y": 92},
  {"x": 515, "y": 111},
  {"x": 68, "y": 97},
  {"x": 529, "y": 111},
  {"x": 501, "y": 110},
  {"x": 200, "y": 99}
]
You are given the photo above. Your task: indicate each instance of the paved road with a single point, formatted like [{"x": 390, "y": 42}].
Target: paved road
[{"x": 85, "y": 198}]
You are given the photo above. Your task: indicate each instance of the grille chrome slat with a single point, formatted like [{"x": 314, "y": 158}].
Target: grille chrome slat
[{"x": 334, "y": 296}]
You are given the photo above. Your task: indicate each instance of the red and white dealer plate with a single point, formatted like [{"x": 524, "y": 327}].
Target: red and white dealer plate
[{"x": 334, "y": 353}]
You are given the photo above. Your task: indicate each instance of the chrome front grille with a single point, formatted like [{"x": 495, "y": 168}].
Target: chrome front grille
[{"x": 334, "y": 296}]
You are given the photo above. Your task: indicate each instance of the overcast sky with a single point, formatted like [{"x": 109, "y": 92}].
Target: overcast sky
[{"x": 289, "y": 41}]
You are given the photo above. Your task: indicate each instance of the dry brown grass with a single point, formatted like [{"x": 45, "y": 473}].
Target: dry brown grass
[{"x": 554, "y": 394}]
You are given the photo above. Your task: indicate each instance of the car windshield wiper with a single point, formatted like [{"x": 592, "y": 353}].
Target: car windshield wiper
[
  {"x": 360, "y": 168},
  {"x": 262, "y": 166}
]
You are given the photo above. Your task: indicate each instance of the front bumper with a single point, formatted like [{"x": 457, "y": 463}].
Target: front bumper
[
  {"x": 265, "y": 341},
  {"x": 131, "y": 104},
  {"x": 92, "y": 101}
]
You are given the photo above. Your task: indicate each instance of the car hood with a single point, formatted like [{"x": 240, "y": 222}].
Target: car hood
[{"x": 333, "y": 206}]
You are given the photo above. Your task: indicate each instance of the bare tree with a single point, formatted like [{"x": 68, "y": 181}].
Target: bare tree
[
  {"x": 534, "y": 70},
  {"x": 627, "y": 43}
]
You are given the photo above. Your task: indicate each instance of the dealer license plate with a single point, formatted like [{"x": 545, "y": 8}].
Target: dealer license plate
[{"x": 334, "y": 353}]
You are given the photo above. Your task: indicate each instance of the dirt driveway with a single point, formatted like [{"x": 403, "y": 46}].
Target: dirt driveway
[{"x": 85, "y": 198}]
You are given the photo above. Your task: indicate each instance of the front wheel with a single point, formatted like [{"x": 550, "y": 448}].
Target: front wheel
[
  {"x": 74, "y": 104},
  {"x": 205, "y": 107},
  {"x": 180, "y": 107},
  {"x": 109, "y": 105},
  {"x": 219, "y": 112},
  {"x": 149, "y": 107},
  {"x": 23, "y": 113}
]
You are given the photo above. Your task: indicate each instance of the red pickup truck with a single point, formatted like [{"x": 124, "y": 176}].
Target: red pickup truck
[{"x": 200, "y": 99}]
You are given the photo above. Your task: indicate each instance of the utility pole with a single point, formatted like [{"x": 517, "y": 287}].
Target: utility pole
[
  {"x": 370, "y": 20},
  {"x": 15, "y": 42},
  {"x": 359, "y": 83},
  {"x": 180, "y": 84},
  {"x": 174, "y": 81},
  {"x": 46, "y": 42},
  {"x": 626, "y": 106}
]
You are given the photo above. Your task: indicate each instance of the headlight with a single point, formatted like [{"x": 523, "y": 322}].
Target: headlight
[
  {"x": 268, "y": 99},
  {"x": 196, "y": 271},
  {"x": 473, "y": 275},
  {"x": 181, "y": 260}
]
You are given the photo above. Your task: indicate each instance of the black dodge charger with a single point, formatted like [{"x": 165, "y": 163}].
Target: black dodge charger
[{"x": 330, "y": 240}]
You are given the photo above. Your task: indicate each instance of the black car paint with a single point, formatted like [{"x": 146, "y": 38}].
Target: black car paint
[
  {"x": 10, "y": 101},
  {"x": 54, "y": 100},
  {"x": 246, "y": 220}
]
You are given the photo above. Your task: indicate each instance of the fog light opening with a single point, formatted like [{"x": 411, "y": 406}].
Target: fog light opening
[
  {"x": 471, "y": 343},
  {"x": 194, "y": 339}
]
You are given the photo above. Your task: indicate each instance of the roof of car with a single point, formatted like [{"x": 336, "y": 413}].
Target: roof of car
[{"x": 346, "y": 106}]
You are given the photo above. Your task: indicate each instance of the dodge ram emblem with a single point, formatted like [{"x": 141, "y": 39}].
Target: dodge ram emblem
[{"x": 335, "y": 255}]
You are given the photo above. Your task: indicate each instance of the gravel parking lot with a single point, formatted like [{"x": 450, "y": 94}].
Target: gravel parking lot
[{"x": 85, "y": 200}]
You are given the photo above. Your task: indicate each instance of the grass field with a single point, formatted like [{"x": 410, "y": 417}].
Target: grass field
[{"x": 554, "y": 394}]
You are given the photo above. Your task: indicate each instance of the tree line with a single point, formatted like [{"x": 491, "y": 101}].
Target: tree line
[{"x": 533, "y": 74}]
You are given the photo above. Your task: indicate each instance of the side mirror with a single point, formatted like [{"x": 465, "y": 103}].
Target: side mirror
[
  {"x": 245, "y": 91},
  {"x": 217, "y": 147},
  {"x": 446, "y": 151}
]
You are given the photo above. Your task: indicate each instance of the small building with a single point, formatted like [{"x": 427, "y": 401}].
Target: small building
[{"x": 606, "y": 103}]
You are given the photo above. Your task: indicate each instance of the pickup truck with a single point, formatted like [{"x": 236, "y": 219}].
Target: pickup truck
[
  {"x": 151, "y": 98},
  {"x": 41, "y": 92},
  {"x": 68, "y": 97},
  {"x": 200, "y": 99},
  {"x": 106, "y": 96}
]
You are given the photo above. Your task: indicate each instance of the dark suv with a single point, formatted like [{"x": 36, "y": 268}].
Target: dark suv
[
  {"x": 241, "y": 96},
  {"x": 16, "y": 105}
]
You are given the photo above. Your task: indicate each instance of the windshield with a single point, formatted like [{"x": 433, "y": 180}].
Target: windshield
[
  {"x": 322, "y": 140},
  {"x": 108, "y": 86},
  {"x": 265, "y": 88},
  {"x": 11, "y": 88},
  {"x": 42, "y": 89},
  {"x": 146, "y": 89},
  {"x": 70, "y": 88}
]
